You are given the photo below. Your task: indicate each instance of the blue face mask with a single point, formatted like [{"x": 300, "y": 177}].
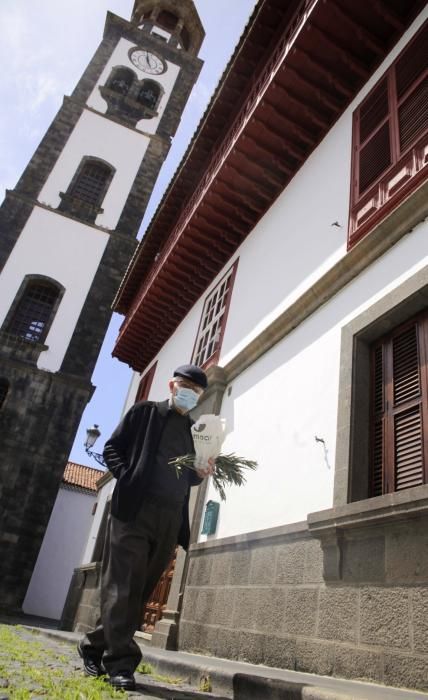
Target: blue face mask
[{"x": 186, "y": 399}]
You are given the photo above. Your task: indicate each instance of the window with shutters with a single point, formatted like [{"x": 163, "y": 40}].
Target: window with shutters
[
  {"x": 87, "y": 190},
  {"x": 33, "y": 313},
  {"x": 399, "y": 409},
  {"x": 213, "y": 321},
  {"x": 145, "y": 384},
  {"x": 390, "y": 138}
]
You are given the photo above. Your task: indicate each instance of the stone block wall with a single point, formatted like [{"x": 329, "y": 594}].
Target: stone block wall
[
  {"x": 82, "y": 606},
  {"x": 266, "y": 598}
]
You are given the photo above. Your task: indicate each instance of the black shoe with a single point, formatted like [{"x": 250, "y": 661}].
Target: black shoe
[
  {"x": 124, "y": 680},
  {"x": 92, "y": 664}
]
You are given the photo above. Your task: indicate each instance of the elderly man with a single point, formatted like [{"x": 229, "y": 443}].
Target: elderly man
[{"x": 149, "y": 517}]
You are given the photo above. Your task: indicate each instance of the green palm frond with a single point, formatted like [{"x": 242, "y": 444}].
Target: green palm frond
[{"x": 229, "y": 470}]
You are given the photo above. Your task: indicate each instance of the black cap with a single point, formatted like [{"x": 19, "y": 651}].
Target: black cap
[{"x": 194, "y": 373}]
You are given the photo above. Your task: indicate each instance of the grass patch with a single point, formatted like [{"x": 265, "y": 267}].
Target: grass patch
[
  {"x": 148, "y": 670},
  {"x": 31, "y": 670}
]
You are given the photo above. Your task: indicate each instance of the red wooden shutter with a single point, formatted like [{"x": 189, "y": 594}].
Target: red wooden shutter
[
  {"x": 399, "y": 410},
  {"x": 374, "y": 143},
  {"x": 407, "y": 448},
  {"x": 411, "y": 79},
  {"x": 389, "y": 139},
  {"x": 378, "y": 441}
]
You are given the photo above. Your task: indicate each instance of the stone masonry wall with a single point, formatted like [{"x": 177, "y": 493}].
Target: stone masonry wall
[
  {"x": 263, "y": 598},
  {"x": 38, "y": 422}
]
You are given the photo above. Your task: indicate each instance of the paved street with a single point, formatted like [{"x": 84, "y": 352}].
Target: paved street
[
  {"x": 35, "y": 666},
  {"x": 37, "y": 663}
]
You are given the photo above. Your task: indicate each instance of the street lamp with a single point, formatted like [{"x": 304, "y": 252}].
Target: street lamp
[{"x": 92, "y": 435}]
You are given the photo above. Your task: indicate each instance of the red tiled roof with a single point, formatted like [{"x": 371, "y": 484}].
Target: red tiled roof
[{"x": 81, "y": 476}]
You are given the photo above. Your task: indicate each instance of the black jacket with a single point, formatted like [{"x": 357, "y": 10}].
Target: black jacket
[{"x": 130, "y": 455}]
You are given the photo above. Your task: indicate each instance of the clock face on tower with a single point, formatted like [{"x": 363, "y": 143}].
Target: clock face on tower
[{"x": 147, "y": 61}]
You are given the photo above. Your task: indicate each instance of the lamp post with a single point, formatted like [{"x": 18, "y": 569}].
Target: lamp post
[{"x": 92, "y": 435}]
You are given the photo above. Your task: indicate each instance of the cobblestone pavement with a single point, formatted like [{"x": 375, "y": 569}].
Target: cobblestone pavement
[{"x": 28, "y": 659}]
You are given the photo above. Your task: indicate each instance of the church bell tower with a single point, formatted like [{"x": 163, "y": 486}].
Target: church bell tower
[{"x": 67, "y": 233}]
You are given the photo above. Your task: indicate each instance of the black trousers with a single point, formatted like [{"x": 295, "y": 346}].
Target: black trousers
[{"x": 135, "y": 556}]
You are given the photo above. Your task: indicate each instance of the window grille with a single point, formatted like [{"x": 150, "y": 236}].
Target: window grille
[
  {"x": 91, "y": 183},
  {"x": 211, "y": 328},
  {"x": 399, "y": 409},
  {"x": 33, "y": 311},
  {"x": 4, "y": 388}
]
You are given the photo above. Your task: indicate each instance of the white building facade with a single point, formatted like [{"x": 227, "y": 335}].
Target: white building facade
[
  {"x": 63, "y": 543},
  {"x": 296, "y": 274}
]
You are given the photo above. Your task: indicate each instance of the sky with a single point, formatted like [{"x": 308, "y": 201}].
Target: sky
[{"x": 46, "y": 45}]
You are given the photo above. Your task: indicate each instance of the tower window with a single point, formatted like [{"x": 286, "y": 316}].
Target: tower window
[
  {"x": 149, "y": 94},
  {"x": 34, "y": 311},
  {"x": 167, "y": 20},
  {"x": 121, "y": 80},
  {"x": 4, "y": 388},
  {"x": 90, "y": 185},
  {"x": 87, "y": 190}
]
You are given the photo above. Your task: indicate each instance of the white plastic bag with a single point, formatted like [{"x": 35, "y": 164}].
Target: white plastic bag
[{"x": 208, "y": 435}]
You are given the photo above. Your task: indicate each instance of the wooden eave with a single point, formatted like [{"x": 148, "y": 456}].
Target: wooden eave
[{"x": 293, "y": 74}]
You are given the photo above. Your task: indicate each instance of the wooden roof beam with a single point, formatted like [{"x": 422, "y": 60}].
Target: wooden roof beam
[
  {"x": 197, "y": 261},
  {"x": 303, "y": 134},
  {"x": 264, "y": 168},
  {"x": 346, "y": 55},
  {"x": 218, "y": 200},
  {"x": 363, "y": 33},
  {"x": 223, "y": 231},
  {"x": 305, "y": 107},
  {"x": 193, "y": 250},
  {"x": 389, "y": 15},
  {"x": 194, "y": 246},
  {"x": 327, "y": 73},
  {"x": 322, "y": 94},
  {"x": 252, "y": 204},
  {"x": 223, "y": 220},
  {"x": 286, "y": 144},
  {"x": 221, "y": 245},
  {"x": 189, "y": 277},
  {"x": 259, "y": 187}
]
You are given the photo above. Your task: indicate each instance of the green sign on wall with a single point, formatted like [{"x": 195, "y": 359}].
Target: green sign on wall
[{"x": 211, "y": 516}]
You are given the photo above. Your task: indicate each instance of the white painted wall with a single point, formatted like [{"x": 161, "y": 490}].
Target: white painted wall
[
  {"x": 295, "y": 240},
  {"x": 65, "y": 250},
  {"x": 120, "y": 57},
  {"x": 59, "y": 554},
  {"x": 278, "y": 405},
  {"x": 94, "y": 136}
]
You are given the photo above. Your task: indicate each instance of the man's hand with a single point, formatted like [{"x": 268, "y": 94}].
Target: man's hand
[{"x": 208, "y": 470}]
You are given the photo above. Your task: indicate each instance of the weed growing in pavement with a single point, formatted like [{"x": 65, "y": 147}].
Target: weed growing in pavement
[
  {"x": 147, "y": 669},
  {"x": 28, "y": 669},
  {"x": 205, "y": 685}
]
